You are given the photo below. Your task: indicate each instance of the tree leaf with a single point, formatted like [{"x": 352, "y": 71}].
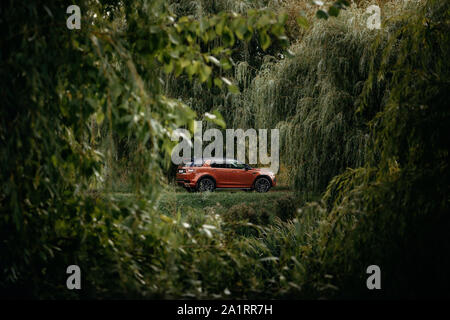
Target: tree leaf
[
  {"x": 333, "y": 11},
  {"x": 302, "y": 22},
  {"x": 264, "y": 40},
  {"x": 322, "y": 14},
  {"x": 233, "y": 89}
]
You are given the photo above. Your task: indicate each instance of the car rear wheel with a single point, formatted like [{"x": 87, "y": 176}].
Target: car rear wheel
[
  {"x": 262, "y": 185},
  {"x": 206, "y": 184}
]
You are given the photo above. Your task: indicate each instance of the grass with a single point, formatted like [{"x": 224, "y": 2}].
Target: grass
[
  {"x": 172, "y": 201},
  {"x": 176, "y": 200}
]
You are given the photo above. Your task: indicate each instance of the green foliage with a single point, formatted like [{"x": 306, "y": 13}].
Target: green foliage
[
  {"x": 241, "y": 212},
  {"x": 333, "y": 10},
  {"x": 362, "y": 112},
  {"x": 286, "y": 207},
  {"x": 71, "y": 98},
  {"x": 393, "y": 212},
  {"x": 391, "y": 208},
  {"x": 243, "y": 219}
]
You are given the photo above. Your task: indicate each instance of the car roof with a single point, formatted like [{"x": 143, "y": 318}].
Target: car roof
[{"x": 211, "y": 159}]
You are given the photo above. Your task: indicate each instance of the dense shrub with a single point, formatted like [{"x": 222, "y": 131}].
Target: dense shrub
[
  {"x": 286, "y": 207},
  {"x": 243, "y": 218}
]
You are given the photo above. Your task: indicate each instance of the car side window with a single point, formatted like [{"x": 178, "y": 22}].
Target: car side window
[
  {"x": 217, "y": 165},
  {"x": 230, "y": 165},
  {"x": 240, "y": 166},
  {"x": 235, "y": 165}
]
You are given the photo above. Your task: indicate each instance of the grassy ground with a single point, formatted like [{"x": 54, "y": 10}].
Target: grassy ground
[
  {"x": 172, "y": 201},
  {"x": 176, "y": 200}
]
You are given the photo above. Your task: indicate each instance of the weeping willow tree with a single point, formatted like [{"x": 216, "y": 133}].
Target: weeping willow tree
[
  {"x": 393, "y": 211},
  {"x": 312, "y": 98}
]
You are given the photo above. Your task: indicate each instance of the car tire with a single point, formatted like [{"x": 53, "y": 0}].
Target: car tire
[
  {"x": 206, "y": 185},
  {"x": 262, "y": 185}
]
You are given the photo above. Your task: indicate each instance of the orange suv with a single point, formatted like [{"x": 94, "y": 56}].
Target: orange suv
[{"x": 209, "y": 174}]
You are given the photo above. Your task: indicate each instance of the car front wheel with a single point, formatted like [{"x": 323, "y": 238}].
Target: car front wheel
[
  {"x": 262, "y": 185},
  {"x": 206, "y": 184}
]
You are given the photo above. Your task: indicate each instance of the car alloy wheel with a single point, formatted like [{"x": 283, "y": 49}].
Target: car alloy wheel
[
  {"x": 262, "y": 185},
  {"x": 206, "y": 184}
]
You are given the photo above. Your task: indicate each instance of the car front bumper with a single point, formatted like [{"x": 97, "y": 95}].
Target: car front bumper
[{"x": 185, "y": 181}]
